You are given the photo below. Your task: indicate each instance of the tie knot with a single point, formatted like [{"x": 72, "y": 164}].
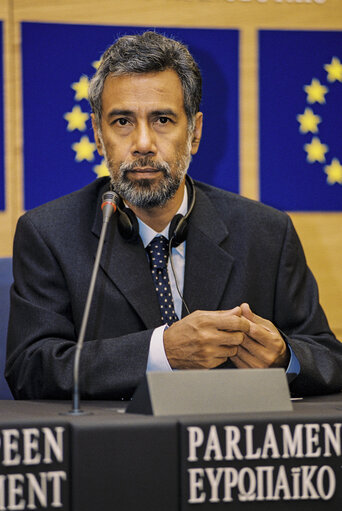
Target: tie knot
[{"x": 158, "y": 251}]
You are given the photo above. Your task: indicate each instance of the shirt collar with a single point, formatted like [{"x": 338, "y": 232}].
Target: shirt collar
[{"x": 147, "y": 234}]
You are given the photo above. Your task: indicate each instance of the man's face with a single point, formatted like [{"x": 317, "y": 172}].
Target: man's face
[{"x": 144, "y": 136}]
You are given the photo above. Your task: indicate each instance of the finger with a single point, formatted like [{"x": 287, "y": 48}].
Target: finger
[
  {"x": 232, "y": 351},
  {"x": 254, "y": 318},
  {"x": 253, "y": 361},
  {"x": 225, "y": 338},
  {"x": 262, "y": 336},
  {"x": 233, "y": 323},
  {"x": 220, "y": 320},
  {"x": 236, "y": 311},
  {"x": 227, "y": 352},
  {"x": 217, "y": 361},
  {"x": 240, "y": 364},
  {"x": 271, "y": 352},
  {"x": 213, "y": 356},
  {"x": 251, "y": 345},
  {"x": 272, "y": 342}
]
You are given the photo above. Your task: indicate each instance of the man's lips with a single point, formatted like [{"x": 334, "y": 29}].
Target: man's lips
[
  {"x": 145, "y": 172},
  {"x": 145, "y": 169}
]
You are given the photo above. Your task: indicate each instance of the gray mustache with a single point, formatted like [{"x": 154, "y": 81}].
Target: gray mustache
[{"x": 145, "y": 162}]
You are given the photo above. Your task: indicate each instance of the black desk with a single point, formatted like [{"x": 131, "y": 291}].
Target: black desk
[{"x": 109, "y": 460}]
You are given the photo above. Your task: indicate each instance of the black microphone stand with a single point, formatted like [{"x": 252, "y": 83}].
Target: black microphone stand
[{"x": 110, "y": 200}]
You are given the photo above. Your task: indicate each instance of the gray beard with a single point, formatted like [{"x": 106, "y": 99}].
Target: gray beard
[{"x": 143, "y": 193}]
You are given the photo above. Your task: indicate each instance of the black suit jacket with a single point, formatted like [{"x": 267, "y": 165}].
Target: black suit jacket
[{"x": 237, "y": 251}]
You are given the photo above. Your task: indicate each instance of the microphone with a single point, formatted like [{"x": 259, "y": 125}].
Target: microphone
[
  {"x": 110, "y": 200},
  {"x": 109, "y": 205}
]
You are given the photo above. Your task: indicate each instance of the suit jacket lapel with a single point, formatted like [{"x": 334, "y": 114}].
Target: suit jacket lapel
[
  {"x": 127, "y": 266},
  {"x": 208, "y": 264}
]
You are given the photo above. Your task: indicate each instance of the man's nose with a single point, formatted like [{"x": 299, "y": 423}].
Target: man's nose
[{"x": 144, "y": 141}]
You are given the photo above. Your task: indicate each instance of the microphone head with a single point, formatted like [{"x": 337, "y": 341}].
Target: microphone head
[{"x": 110, "y": 200}]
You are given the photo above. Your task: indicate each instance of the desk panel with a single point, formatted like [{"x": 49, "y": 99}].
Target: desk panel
[{"x": 107, "y": 459}]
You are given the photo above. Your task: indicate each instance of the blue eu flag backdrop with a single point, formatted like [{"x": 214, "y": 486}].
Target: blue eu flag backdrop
[
  {"x": 2, "y": 155},
  {"x": 59, "y": 150},
  {"x": 300, "y": 109}
]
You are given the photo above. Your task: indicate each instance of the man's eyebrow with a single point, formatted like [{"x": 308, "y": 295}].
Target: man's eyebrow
[
  {"x": 119, "y": 111},
  {"x": 165, "y": 111}
]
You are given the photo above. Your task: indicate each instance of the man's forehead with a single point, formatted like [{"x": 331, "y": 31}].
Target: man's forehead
[{"x": 164, "y": 86}]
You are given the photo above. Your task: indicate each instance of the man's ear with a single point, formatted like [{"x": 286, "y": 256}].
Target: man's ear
[
  {"x": 96, "y": 135},
  {"x": 197, "y": 133}
]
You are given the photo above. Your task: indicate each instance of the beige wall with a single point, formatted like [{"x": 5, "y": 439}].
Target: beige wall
[{"x": 321, "y": 233}]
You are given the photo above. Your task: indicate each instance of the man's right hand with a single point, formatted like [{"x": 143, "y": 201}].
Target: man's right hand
[{"x": 205, "y": 339}]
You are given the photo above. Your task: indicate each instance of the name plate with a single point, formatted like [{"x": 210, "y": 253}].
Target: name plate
[{"x": 212, "y": 392}]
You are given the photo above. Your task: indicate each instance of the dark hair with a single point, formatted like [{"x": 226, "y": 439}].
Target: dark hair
[{"x": 145, "y": 53}]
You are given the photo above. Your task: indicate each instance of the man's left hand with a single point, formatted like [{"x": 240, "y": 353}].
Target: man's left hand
[{"x": 263, "y": 346}]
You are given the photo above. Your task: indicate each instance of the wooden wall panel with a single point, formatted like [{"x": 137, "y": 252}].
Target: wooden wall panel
[
  {"x": 8, "y": 217},
  {"x": 321, "y": 233},
  {"x": 205, "y": 13}
]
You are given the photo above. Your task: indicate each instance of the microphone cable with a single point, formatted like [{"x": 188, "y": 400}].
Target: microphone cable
[{"x": 175, "y": 278}]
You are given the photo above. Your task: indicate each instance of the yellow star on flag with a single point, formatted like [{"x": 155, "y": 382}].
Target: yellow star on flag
[
  {"x": 334, "y": 70},
  {"x": 308, "y": 121},
  {"x": 316, "y": 92},
  {"x": 81, "y": 88},
  {"x": 101, "y": 170},
  {"x": 84, "y": 149},
  {"x": 334, "y": 172},
  {"x": 316, "y": 150},
  {"x": 76, "y": 119},
  {"x": 96, "y": 64}
]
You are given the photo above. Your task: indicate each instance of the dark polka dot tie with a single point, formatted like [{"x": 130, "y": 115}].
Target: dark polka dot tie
[{"x": 158, "y": 252}]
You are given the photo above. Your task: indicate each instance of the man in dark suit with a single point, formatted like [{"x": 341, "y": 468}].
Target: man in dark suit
[{"x": 240, "y": 294}]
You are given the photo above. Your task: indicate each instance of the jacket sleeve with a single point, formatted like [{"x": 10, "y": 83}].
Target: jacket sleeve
[
  {"x": 42, "y": 335},
  {"x": 300, "y": 317}
]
